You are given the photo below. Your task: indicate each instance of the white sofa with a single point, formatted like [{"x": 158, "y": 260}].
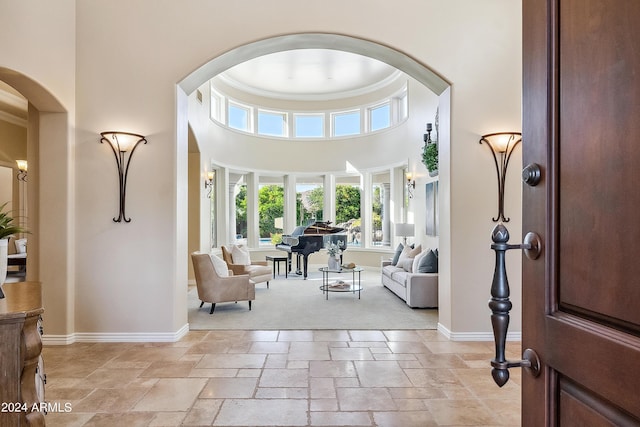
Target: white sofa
[{"x": 418, "y": 290}]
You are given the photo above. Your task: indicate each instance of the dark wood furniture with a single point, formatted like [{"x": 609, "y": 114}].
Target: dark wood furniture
[
  {"x": 276, "y": 261},
  {"x": 21, "y": 382}
]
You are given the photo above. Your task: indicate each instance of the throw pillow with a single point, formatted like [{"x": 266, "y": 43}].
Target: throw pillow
[
  {"x": 415, "y": 251},
  {"x": 240, "y": 255},
  {"x": 403, "y": 255},
  {"x": 407, "y": 265},
  {"x": 428, "y": 263},
  {"x": 399, "y": 249},
  {"x": 417, "y": 259},
  {"x": 219, "y": 266}
]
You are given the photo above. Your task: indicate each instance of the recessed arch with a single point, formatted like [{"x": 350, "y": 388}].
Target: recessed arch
[
  {"x": 33, "y": 91},
  {"x": 48, "y": 198},
  {"x": 393, "y": 57}
]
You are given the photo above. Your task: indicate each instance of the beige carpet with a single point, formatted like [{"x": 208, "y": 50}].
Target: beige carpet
[{"x": 295, "y": 303}]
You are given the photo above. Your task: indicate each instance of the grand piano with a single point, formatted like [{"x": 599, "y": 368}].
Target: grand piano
[{"x": 309, "y": 238}]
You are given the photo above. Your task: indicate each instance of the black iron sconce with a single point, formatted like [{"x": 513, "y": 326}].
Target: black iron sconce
[
  {"x": 123, "y": 145},
  {"x": 22, "y": 170},
  {"x": 427, "y": 136},
  {"x": 502, "y": 145},
  {"x": 208, "y": 183},
  {"x": 411, "y": 185}
]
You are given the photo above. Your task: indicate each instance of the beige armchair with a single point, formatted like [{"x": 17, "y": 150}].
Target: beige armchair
[
  {"x": 215, "y": 288},
  {"x": 258, "y": 271}
]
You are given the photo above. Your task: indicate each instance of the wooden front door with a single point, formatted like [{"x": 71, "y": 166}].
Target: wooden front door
[{"x": 581, "y": 298}]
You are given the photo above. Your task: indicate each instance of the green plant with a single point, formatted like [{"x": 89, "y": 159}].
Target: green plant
[
  {"x": 430, "y": 156},
  {"x": 276, "y": 238},
  {"x": 7, "y": 227}
]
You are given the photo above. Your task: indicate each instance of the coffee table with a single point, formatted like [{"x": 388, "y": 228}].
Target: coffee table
[{"x": 344, "y": 286}]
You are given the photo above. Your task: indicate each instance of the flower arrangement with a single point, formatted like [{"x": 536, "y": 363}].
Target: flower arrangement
[{"x": 333, "y": 249}]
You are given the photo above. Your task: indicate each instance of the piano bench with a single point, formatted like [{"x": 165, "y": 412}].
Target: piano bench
[{"x": 276, "y": 261}]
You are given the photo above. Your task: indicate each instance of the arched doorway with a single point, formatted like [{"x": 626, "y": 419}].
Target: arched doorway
[
  {"x": 49, "y": 199},
  {"x": 420, "y": 72}
]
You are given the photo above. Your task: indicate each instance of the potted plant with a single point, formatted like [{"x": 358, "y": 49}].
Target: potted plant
[
  {"x": 430, "y": 149},
  {"x": 7, "y": 229},
  {"x": 430, "y": 157}
]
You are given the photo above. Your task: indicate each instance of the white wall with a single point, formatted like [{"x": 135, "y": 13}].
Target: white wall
[{"x": 119, "y": 70}]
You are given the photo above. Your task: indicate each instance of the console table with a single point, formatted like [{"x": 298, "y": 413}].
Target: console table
[{"x": 22, "y": 383}]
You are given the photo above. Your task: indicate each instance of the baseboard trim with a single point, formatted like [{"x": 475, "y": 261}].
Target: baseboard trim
[
  {"x": 91, "y": 337},
  {"x": 475, "y": 336},
  {"x": 58, "y": 339}
]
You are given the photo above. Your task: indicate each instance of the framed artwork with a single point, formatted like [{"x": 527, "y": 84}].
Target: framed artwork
[{"x": 431, "y": 210}]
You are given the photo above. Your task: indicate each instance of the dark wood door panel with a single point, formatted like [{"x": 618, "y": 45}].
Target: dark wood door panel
[
  {"x": 599, "y": 125},
  {"x": 579, "y": 407},
  {"x": 581, "y": 298},
  {"x": 600, "y": 358}
]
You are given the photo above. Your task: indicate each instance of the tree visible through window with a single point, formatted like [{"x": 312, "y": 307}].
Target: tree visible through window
[
  {"x": 270, "y": 207},
  {"x": 348, "y": 214}
]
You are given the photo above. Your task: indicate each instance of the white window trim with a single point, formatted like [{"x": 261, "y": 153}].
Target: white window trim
[
  {"x": 250, "y": 115},
  {"x": 370, "y": 110},
  {"x": 335, "y": 114},
  {"x": 285, "y": 122},
  {"x": 397, "y": 116}
]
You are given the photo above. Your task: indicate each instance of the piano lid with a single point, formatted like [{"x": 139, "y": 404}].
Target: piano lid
[{"x": 320, "y": 227}]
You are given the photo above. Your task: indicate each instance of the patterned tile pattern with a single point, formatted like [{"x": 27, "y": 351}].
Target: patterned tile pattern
[{"x": 282, "y": 378}]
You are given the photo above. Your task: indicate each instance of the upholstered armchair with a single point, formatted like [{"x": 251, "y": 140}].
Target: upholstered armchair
[
  {"x": 258, "y": 271},
  {"x": 214, "y": 287}
]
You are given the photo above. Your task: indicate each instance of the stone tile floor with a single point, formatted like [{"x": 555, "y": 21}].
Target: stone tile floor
[{"x": 282, "y": 378}]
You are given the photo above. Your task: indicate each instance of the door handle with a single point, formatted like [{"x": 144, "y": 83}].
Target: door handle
[{"x": 500, "y": 305}]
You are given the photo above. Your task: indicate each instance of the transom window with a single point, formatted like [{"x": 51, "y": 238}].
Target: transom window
[
  {"x": 308, "y": 125},
  {"x": 239, "y": 117},
  {"x": 346, "y": 124},
  {"x": 272, "y": 123},
  {"x": 380, "y": 117},
  {"x": 260, "y": 121}
]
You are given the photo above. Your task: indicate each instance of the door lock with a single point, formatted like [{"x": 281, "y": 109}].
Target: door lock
[{"x": 532, "y": 174}]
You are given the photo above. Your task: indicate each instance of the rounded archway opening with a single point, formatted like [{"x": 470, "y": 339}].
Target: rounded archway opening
[
  {"x": 396, "y": 58},
  {"x": 383, "y": 53},
  {"x": 48, "y": 196}
]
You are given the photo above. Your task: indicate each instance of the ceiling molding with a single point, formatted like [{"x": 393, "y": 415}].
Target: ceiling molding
[{"x": 329, "y": 96}]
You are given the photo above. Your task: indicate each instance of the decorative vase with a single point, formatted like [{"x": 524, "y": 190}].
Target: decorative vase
[{"x": 334, "y": 263}]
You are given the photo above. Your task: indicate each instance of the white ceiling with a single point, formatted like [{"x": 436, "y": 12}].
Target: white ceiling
[{"x": 305, "y": 73}]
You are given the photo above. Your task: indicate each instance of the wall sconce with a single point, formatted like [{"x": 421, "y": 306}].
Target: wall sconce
[
  {"x": 411, "y": 185},
  {"x": 22, "y": 170},
  {"x": 123, "y": 145},
  {"x": 405, "y": 230},
  {"x": 502, "y": 145},
  {"x": 427, "y": 136},
  {"x": 208, "y": 183}
]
